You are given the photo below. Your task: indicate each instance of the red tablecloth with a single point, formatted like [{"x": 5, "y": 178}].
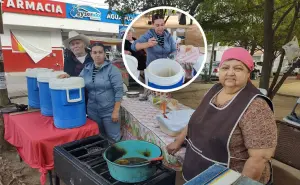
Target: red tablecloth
[{"x": 35, "y": 136}]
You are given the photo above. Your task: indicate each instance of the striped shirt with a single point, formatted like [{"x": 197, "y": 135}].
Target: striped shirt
[
  {"x": 160, "y": 39},
  {"x": 95, "y": 70}
]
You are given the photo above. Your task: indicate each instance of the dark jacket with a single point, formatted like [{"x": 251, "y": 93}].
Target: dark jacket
[
  {"x": 73, "y": 66},
  {"x": 139, "y": 55}
]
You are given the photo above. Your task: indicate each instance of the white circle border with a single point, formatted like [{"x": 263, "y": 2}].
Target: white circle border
[{"x": 204, "y": 58}]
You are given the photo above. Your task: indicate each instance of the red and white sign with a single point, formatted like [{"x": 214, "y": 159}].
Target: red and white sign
[{"x": 35, "y": 7}]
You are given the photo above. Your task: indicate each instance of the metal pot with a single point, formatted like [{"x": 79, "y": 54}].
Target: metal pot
[
  {"x": 131, "y": 94},
  {"x": 132, "y": 149}
]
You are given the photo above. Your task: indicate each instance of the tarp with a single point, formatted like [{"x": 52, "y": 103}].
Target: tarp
[
  {"x": 37, "y": 44},
  {"x": 35, "y": 136}
]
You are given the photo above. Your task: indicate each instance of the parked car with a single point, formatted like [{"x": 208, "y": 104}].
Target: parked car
[
  {"x": 214, "y": 71},
  {"x": 258, "y": 67},
  {"x": 285, "y": 69}
]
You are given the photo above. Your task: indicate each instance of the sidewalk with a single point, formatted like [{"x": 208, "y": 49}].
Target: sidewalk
[{"x": 291, "y": 89}]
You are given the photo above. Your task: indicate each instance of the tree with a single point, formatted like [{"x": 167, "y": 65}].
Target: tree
[
  {"x": 273, "y": 89},
  {"x": 237, "y": 23},
  {"x": 255, "y": 25},
  {"x": 140, "y": 6},
  {"x": 268, "y": 44},
  {"x": 264, "y": 25}
]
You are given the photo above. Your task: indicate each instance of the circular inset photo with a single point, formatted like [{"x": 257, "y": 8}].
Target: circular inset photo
[{"x": 164, "y": 49}]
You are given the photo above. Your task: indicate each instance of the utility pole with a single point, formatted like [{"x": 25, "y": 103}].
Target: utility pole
[
  {"x": 4, "y": 101},
  {"x": 3, "y": 89}
]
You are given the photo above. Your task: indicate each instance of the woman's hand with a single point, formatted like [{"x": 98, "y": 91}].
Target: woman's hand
[
  {"x": 152, "y": 42},
  {"x": 115, "y": 116},
  {"x": 63, "y": 76},
  {"x": 173, "y": 147},
  {"x": 176, "y": 145}
]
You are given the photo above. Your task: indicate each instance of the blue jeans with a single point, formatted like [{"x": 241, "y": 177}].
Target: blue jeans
[{"x": 107, "y": 127}]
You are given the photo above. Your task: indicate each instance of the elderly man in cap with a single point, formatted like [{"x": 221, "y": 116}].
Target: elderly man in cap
[{"x": 75, "y": 62}]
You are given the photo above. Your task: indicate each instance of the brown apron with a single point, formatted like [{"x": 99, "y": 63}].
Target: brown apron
[{"x": 210, "y": 129}]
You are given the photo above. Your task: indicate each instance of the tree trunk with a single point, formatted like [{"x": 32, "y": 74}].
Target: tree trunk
[
  {"x": 167, "y": 19},
  {"x": 276, "y": 76},
  {"x": 253, "y": 47},
  {"x": 284, "y": 77},
  {"x": 268, "y": 44},
  {"x": 288, "y": 38},
  {"x": 212, "y": 57}
]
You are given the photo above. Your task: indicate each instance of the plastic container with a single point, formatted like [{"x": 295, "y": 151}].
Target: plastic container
[
  {"x": 132, "y": 64},
  {"x": 68, "y": 102},
  {"x": 164, "y": 74},
  {"x": 44, "y": 91},
  {"x": 32, "y": 86},
  {"x": 175, "y": 122},
  {"x": 197, "y": 65}
]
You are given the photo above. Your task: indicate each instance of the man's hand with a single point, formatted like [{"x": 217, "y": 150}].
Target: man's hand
[
  {"x": 127, "y": 52},
  {"x": 63, "y": 76}
]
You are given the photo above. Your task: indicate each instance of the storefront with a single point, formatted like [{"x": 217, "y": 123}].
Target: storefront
[{"x": 34, "y": 31}]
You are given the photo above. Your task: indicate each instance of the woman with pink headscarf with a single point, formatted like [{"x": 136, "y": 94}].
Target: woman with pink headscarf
[{"x": 233, "y": 126}]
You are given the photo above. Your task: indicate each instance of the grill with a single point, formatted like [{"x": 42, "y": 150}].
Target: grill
[{"x": 81, "y": 163}]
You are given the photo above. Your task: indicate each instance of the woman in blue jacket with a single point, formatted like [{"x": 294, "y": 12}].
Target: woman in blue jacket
[
  {"x": 104, "y": 87},
  {"x": 157, "y": 41}
]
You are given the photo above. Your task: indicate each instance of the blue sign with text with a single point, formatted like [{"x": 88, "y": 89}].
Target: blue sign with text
[{"x": 84, "y": 12}]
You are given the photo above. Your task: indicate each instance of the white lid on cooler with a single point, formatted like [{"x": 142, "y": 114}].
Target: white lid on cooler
[
  {"x": 66, "y": 83},
  {"x": 32, "y": 72},
  {"x": 45, "y": 76}
]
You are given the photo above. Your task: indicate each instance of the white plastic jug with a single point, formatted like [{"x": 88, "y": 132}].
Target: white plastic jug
[{"x": 132, "y": 64}]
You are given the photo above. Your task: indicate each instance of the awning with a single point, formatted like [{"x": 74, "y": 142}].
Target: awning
[{"x": 106, "y": 40}]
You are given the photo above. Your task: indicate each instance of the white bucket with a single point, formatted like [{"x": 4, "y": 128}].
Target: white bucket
[
  {"x": 164, "y": 74},
  {"x": 132, "y": 64}
]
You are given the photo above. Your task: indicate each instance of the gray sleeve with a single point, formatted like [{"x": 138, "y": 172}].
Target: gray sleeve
[
  {"x": 117, "y": 82},
  {"x": 82, "y": 73},
  {"x": 144, "y": 38}
]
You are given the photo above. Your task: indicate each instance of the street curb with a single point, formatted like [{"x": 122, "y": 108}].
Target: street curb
[
  {"x": 16, "y": 97},
  {"x": 287, "y": 95}
]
